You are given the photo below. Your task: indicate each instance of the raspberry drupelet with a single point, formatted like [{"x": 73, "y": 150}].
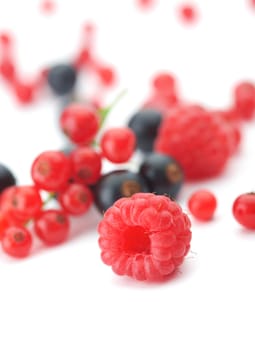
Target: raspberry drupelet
[{"x": 145, "y": 236}]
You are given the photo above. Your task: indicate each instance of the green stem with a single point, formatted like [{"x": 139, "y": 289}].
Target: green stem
[
  {"x": 51, "y": 195},
  {"x": 104, "y": 112}
]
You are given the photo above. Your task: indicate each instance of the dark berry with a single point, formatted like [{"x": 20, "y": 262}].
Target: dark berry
[
  {"x": 145, "y": 124},
  {"x": 163, "y": 174},
  {"x": 117, "y": 184},
  {"x": 7, "y": 179},
  {"x": 62, "y": 78}
]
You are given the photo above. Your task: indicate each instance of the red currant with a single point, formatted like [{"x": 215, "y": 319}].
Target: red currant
[
  {"x": 7, "y": 70},
  {"x": 244, "y": 98},
  {"x": 164, "y": 83},
  {"x": 188, "y": 13},
  {"x": 79, "y": 123},
  {"x": 106, "y": 75},
  {"x": 244, "y": 210},
  {"x": 86, "y": 165},
  {"x": 76, "y": 199},
  {"x": 118, "y": 144},
  {"x": 5, "y": 222},
  {"x": 24, "y": 91},
  {"x": 202, "y": 204},
  {"x": 52, "y": 226},
  {"x": 17, "y": 241},
  {"x": 51, "y": 171}
]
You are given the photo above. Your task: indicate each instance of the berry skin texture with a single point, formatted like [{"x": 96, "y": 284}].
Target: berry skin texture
[
  {"x": 17, "y": 241},
  {"x": 62, "y": 79},
  {"x": 163, "y": 174},
  {"x": 244, "y": 100},
  {"x": 118, "y": 144},
  {"x": 145, "y": 124},
  {"x": 76, "y": 199},
  {"x": 244, "y": 210},
  {"x": 145, "y": 237},
  {"x": 117, "y": 184},
  {"x": 202, "y": 205},
  {"x": 86, "y": 165},
  {"x": 51, "y": 171},
  {"x": 80, "y": 123},
  {"x": 7, "y": 178},
  {"x": 52, "y": 226},
  {"x": 197, "y": 139}
]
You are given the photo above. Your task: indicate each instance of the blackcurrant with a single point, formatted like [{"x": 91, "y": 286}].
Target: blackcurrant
[
  {"x": 7, "y": 179},
  {"x": 163, "y": 174},
  {"x": 62, "y": 78},
  {"x": 117, "y": 184},
  {"x": 145, "y": 124}
]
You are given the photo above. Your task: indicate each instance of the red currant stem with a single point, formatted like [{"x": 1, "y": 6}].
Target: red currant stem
[
  {"x": 104, "y": 112},
  {"x": 50, "y": 196}
]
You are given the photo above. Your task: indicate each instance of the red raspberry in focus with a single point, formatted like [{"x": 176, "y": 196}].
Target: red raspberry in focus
[
  {"x": 79, "y": 123},
  {"x": 17, "y": 241},
  {"x": 200, "y": 141},
  {"x": 244, "y": 99},
  {"x": 118, "y": 144},
  {"x": 244, "y": 210},
  {"x": 144, "y": 236},
  {"x": 202, "y": 205},
  {"x": 76, "y": 199},
  {"x": 86, "y": 165},
  {"x": 51, "y": 171},
  {"x": 188, "y": 13},
  {"x": 52, "y": 226}
]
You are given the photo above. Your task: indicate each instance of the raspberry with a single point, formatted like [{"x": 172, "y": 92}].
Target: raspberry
[
  {"x": 145, "y": 236},
  {"x": 200, "y": 141}
]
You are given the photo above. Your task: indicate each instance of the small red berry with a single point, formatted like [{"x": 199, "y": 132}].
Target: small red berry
[
  {"x": 202, "y": 204},
  {"x": 24, "y": 91},
  {"x": 86, "y": 165},
  {"x": 144, "y": 236},
  {"x": 145, "y": 4},
  {"x": 244, "y": 99},
  {"x": 7, "y": 69},
  {"x": 51, "y": 171},
  {"x": 80, "y": 123},
  {"x": 118, "y": 144},
  {"x": 188, "y": 13},
  {"x": 76, "y": 199},
  {"x": 164, "y": 83},
  {"x": 244, "y": 210},
  {"x": 17, "y": 241},
  {"x": 52, "y": 226},
  {"x": 5, "y": 222},
  {"x": 48, "y": 6},
  {"x": 106, "y": 75}
]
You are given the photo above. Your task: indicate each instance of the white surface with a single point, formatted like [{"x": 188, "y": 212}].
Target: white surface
[{"x": 65, "y": 298}]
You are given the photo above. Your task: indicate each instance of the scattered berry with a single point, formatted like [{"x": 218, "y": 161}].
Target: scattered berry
[
  {"x": 145, "y": 124},
  {"x": 51, "y": 171},
  {"x": 164, "y": 83},
  {"x": 80, "y": 123},
  {"x": 106, "y": 75},
  {"x": 117, "y": 184},
  {"x": 118, "y": 144},
  {"x": 76, "y": 199},
  {"x": 86, "y": 165},
  {"x": 199, "y": 140},
  {"x": 163, "y": 174},
  {"x": 48, "y": 6},
  {"x": 188, "y": 13},
  {"x": 244, "y": 210},
  {"x": 17, "y": 241},
  {"x": 52, "y": 226},
  {"x": 244, "y": 99},
  {"x": 202, "y": 205},
  {"x": 62, "y": 78},
  {"x": 7, "y": 178},
  {"x": 145, "y": 237},
  {"x": 145, "y": 4},
  {"x": 24, "y": 91}
]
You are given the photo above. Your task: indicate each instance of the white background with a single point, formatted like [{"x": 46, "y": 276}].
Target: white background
[{"x": 65, "y": 298}]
